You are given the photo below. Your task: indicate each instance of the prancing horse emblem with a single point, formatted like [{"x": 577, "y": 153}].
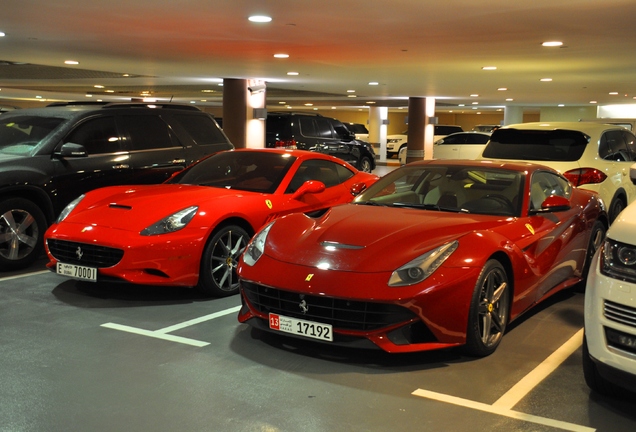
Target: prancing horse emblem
[
  {"x": 303, "y": 307},
  {"x": 79, "y": 253}
]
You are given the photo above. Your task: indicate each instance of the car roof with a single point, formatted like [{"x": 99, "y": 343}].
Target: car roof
[
  {"x": 486, "y": 164},
  {"x": 590, "y": 128},
  {"x": 301, "y": 154}
]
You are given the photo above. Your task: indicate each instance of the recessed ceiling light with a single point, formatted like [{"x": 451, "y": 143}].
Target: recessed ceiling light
[
  {"x": 546, "y": 79},
  {"x": 282, "y": 103},
  {"x": 98, "y": 86},
  {"x": 281, "y": 55},
  {"x": 351, "y": 91},
  {"x": 374, "y": 83},
  {"x": 502, "y": 89},
  {"x": 260, "y": 18},
  {"x": 593, "y": 102},
  {"x": 2, "y": 34},
  {"x": 292, "y": 73},
  {"x": 474, "y": 95},
  {"x": 552, "y": 44},
  {"x": 71, "y": 62},
  {"x": 489, "y": 68},
  {"x": 613, "y": 93},
  {"x": 309, "y": 104},
  {"x": 352, "y": 96},
  {"x": 561, "y": 105},
  {"x": 509, "y": 100}
]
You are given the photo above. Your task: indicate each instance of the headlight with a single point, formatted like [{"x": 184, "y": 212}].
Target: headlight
[
  {"x": 618, "y": 260},
  {"x": 171, "y": 223},
  {"x": 423, "y": 266},
  {"x": 69, "y": 208},
  {"x": 256, "y": 247}
]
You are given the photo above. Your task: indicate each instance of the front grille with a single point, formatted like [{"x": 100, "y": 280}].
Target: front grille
[
  {"x": 620, "y": 313},
  {"x": 91, "y": 255},
  {"x": 340, "y": 313}
]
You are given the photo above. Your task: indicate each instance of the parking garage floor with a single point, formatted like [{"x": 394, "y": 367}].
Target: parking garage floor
[{"x": 87, "y": 357}]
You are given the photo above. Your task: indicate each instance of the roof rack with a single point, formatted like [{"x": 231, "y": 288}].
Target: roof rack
[{"x": 111, "y": 105}]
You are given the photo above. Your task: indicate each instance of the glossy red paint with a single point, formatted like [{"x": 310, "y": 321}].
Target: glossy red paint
[
  {"x": 350, "y": 253},
  {"x": 113, "y": 217}
]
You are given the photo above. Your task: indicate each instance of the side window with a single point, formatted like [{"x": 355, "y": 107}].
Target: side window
[
  {"x": 323, "y": 127},
  {"x": 201, "y": 128},
  {"x": 307, "y": 126},
  {"x": 98, "y": 136},
  {"x": 630, "y": 142},
  {"x": 148, "y": 132},
  {"x": 341, "y": 130},
  {"x": 612, "y": 146},
  {"x": 544, "y": 184},
  {"x": 330, "y": 173}
]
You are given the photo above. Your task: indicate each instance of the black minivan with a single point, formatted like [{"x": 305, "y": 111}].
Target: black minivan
[
  {"x": 308, "y": 131},
  {"x": 51, "y": 155}
]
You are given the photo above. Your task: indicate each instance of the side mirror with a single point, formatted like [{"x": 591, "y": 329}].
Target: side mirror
[
  {"x": 357, "y": 189},
  {"x": 553, "y": 204},
  {"x": 73, "y": 150},
  {"x": 309, "y": 187},
  {"x": 632, "y": 173}
]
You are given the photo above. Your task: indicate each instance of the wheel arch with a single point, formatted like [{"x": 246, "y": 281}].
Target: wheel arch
[
  {"x": 505, "y": 261},
  {"x": 36, "y": 196}
]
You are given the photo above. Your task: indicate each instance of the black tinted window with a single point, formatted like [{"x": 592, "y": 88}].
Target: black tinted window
[
  {"x": 148, "y": 132},
  {"x": 19, "y": 134},
  {"x": 307, "y": 126},
  {"x": 98, "y": 136},
  {"x": 323, "y": 128},
  {"x": 242, "y": 170},
  {"x": 447, "y": 130},
  {"x": 201, "y": 128},
  {"x": 330, "y": 173},
  {"x": 548, "y": 145}
]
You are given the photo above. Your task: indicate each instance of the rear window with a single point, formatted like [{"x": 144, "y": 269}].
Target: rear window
[
  {"x": 537, "y": 145},
  {"x": 447, "y": 130}
]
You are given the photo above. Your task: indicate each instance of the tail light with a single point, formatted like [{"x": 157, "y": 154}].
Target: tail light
[
  {"x": 582, "y": 176},
  {"x": 286, "y": 143}
]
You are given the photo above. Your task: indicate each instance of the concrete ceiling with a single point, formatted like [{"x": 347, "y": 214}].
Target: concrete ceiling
[{"x": 181, "y": 49}]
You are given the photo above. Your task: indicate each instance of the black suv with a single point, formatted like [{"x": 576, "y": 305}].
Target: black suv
[
  {"x": 51, "y": 155},
  {"x": 307, "y": 131}
]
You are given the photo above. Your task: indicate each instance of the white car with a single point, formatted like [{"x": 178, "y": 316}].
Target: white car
[
  {"x": 592, "y": 156},
  {"x": 609, "y": 345},
  {"x": 397, "y": 142},
  {"x": 461, "y": 145}
]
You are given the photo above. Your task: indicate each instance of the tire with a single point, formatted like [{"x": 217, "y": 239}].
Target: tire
[
  {"x": 365, "y": 164},
  {"x": 594, "y": 380},
  {"x": 596, "y": 240},
  {"x": 617, "y": 206},
  {"x": 218, "y": 276},
  {"x": 22, "y": 227},
  {"x": 489, "y": 307}
]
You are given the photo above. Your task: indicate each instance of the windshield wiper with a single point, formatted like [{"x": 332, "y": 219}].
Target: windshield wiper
[{"x": 430, "y": 207}]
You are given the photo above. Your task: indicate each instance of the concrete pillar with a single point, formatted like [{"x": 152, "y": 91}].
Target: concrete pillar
[
  {"x": 244, "y": 112},
  {"x": 513, "y": 115},
  {"x": 421, "y": 130},
  {"x": 378, "y": 121}
]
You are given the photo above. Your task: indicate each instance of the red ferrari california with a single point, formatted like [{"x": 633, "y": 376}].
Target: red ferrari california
[
  {"x": 191, "y": 230},
  {"x": 436, "y": 254}
]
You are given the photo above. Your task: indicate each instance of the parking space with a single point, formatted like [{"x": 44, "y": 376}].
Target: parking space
[{"x": 80, "y": 356}]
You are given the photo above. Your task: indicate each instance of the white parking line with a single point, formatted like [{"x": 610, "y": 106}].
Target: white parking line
[
  {"x": 163, "y": 333},
  {"x": 504, "y": 404},
  {"x": 24, "y": 275}
]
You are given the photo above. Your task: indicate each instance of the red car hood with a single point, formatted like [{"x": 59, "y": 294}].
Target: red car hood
[
  {"x": 368, "y": 239},
  {"x": 136, "y": 207}
]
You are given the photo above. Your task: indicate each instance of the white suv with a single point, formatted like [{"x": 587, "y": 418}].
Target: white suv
[
  {"x": 397, "y": 142},
  {"x": 592, "y": 156},
  {"x": 609, "y": 346}
]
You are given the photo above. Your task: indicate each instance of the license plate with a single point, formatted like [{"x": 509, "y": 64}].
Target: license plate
[
  {"x": 77, "y": 272},
  {"x": 301, "y": 327}
]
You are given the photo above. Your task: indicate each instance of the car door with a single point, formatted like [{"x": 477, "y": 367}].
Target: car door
[
  {"x": 106, "y": 161},
  {"x": 617, "y": 151},
  {"x": 553, "y": 235},
  {"x": 155, "y": 151}
]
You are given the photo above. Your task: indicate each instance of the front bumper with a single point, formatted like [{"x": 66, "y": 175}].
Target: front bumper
[
  {"x": 169, "y": 259},
  {"x": 610, "y": 326},
  {"x": 360, "y": 306}
]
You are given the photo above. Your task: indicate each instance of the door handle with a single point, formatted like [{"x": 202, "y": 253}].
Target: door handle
[
  {"x": 122, "y": 166},
  {"x": 178, "y": 161}
]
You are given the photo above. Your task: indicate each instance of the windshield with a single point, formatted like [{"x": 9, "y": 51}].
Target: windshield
[
  {"x": 242, "y": 170},
  {"x": 468, "y": 189},
  {"x": 537, "y": 145},
  {"x": 19, "y": 135}
]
